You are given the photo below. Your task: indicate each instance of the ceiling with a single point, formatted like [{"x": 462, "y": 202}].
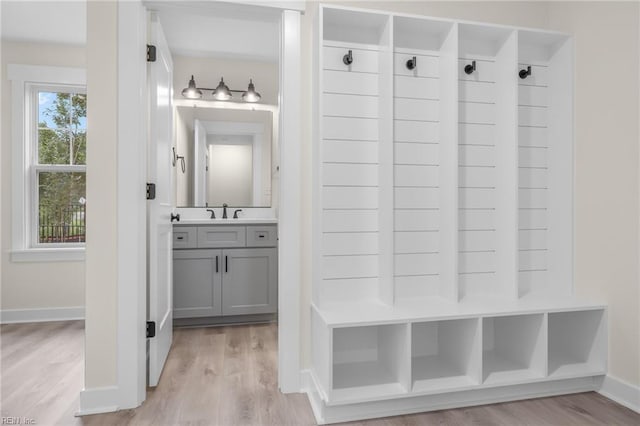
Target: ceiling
[
  {"x": 44, "y": 21},
  {"x": 220, "y": 30},
  {"x": 191, "y": 28}
]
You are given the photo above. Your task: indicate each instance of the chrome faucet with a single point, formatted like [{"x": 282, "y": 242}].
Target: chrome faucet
[
  {"x": 213, "y": 214},
  {"x": 224, "y": 210}
]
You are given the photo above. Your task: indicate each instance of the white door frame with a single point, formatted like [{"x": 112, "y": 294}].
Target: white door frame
[{"x": 132, "y": 134}]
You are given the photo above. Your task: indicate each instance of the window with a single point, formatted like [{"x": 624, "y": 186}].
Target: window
[
  {"x": 49, "y": 162},
  {"x": 59, "y": 170}
]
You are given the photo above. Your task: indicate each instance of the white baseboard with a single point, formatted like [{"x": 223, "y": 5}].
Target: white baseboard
[
  {"x": 8, "y": 316},
  {"x": 98, "y": 400},
  {"x": 621, "y": 392}
]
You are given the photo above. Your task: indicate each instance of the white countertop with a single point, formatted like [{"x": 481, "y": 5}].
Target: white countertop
[{"x": 241, "y": 221}]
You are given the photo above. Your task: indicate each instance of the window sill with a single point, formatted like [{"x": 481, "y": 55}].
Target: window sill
[{"x": 75, "y": 254}]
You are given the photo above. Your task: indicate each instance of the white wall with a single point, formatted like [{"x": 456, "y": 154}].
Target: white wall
[
  {"x": 208, "y": 71},
  {"x": 40, "y": 285},
  {"x": 606, "y": 37},
  {"x": 606, "y": 158},
  {"x": 101, "y": 257}
]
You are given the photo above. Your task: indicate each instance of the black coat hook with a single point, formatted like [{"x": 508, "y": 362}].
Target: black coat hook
[
  {"x": 173, "y": 157},
  {"x": 524, "y": 73},
  {"x": 412, "y": 63},
  {"x": 469, "y": 68},
  {"x": 348, "y": 58}
]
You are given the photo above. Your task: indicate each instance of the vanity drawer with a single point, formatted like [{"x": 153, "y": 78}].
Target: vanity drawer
[
  {"x": 184, "y": 237},
  {"x": 262, "y": 236},
  {"x": 221, "y": 236}
]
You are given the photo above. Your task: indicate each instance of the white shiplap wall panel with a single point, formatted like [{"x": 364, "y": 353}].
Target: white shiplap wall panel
[
  {"x": 533, "y": 116},
  {"x": 418, "y": 88},
  {"x": 532, "y": 95},
  {"x": 476, "y": 91},
  {"x": 532, "y": 177},
  {"x": 416, "y": 131},
  {"x": 470, "y": 220},
  {"x": 350, "y": 83},
  {"x": 476, "y": 198},
  {"x": 532, "y": 198},
  {"x": 477, "y": 113},
  {"x": 477, "y": 262},
  {"x": 416, "y": 242},
  {"x": 363, "y": 129},
  {"x": 416, "y": 153},
  {"x": 476, "y": 177},
  {"x": 339, "y": 151},
  {"x": 350, "y": 220},
  {"x": 416, "y": 220},
  {"x": 476, "y": 134},
  {"x": 356, "y": 243},
  {"x": 532, "y": 239},
  {"x": 416, "y": 109},
  {"x": 350, "y": 175},
  {"x": 337, "y": 105},
  {"x": 533, "y": 157},
  {"x": 350, "y": 198},
  {"x": 416, "y": 264},
  {"x": 532, "y": 218},
  {"x": 417, "y": 198},
  {"x": 416, "y": 176},
  {"x": 477, "y": 155},
  {"x": 349, "y": 267},
  {"x": 476, "y": 240},
  {"x": 532, "y": 260},
  {"x": 532, "y": 136}
]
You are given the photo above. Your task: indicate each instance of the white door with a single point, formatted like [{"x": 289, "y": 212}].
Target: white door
[{"x": 159, "y": 210}]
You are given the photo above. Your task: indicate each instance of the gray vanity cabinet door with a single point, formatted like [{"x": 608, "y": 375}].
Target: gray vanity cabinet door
[
  {"x": 249, "y": 283},
  {"x": 197, "y": 286}
]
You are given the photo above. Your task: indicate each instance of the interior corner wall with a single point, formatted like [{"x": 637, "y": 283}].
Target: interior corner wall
[
  {"x": 33, "y": 285},
  {"x": 606, "y": 167},
  {"x": 527, "y": 14},
  {"x": 101, "y": 255}
]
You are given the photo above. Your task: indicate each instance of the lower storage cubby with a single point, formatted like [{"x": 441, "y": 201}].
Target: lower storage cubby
[
  {"x": 370, "y": 361},
  {"x": 514, "y": 348},
  {"x": 577, "y": 343},
  {"x": 445, "y": 354}
]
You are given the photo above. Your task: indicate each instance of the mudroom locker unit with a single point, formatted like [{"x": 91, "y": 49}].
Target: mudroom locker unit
[{"x": 443, "y": 217}]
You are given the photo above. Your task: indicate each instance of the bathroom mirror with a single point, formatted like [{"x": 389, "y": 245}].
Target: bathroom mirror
[{"x": 223, "y": 155}]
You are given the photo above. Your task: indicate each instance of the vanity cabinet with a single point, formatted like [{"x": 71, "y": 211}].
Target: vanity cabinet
[{"x": 239, "y": 278}]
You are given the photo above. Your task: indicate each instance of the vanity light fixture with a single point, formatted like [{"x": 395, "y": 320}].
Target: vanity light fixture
[
  {"x": 192, "y": 92},
  {"x": 251, "y": 95},
  {"x": 222, "y": 92}
]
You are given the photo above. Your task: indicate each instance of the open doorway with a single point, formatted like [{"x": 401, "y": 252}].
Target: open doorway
[{"x": 224, "y": 165}]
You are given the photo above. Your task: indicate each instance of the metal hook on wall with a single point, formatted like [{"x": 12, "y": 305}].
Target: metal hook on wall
[
  {"x": 412, "y": 63},
  {"x": 469, "y": 68},
  {"x": 173, "y": 157},
  {"x": 524, "y": 73},
  {"x": 348, "y": 58}
]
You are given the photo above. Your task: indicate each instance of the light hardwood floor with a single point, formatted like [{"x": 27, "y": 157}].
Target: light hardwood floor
[{"x": 227, "y": 376}]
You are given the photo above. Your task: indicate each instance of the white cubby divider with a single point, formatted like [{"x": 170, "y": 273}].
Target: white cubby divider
[{"x": 442, "y": 214}]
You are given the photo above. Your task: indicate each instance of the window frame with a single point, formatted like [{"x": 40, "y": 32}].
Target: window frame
[{"x": 26, "y": 82}]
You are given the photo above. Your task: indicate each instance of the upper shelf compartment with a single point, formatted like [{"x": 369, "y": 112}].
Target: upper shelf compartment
[
  {"x": 422, "y": 35},
  {"x": 346, "y": 27},
  {"x": 539, "y": 47},
  {"x": 482, "y": 40}
]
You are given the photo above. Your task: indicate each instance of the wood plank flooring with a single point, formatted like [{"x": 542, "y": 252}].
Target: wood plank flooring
[{"x": 227, "y": 376}]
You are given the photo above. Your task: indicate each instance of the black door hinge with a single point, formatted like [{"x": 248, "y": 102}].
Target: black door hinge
[
  {"x": 151, "y": 191},
  {"x": 151, "y": 329},
  {"x": 151, "y": 53}
]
